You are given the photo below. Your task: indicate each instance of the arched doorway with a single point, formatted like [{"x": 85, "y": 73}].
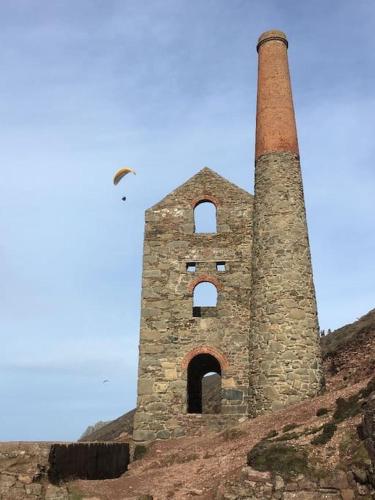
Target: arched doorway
[{"x": 199, "y": 366}]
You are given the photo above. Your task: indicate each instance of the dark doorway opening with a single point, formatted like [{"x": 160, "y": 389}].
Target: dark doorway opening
[{"x": 199, "y": 366}]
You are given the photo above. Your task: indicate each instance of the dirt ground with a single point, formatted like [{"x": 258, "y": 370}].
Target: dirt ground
[{"x": 194, "y": 467}]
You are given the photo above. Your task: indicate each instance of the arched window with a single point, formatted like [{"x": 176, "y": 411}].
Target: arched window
[
  {"x": 205, "y": 217},
  {"x": 204, "y": 300},
  {"x": 204, "y": 384}
]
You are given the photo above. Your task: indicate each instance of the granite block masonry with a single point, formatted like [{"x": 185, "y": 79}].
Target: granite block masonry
[{"x": 262, "y": 337}]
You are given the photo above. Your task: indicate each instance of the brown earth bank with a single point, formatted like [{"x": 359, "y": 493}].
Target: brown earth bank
[
  {"x": 318, "y": 449},
  {"x": 349, "y": 352},
  {"x": 215, "y": 465}
]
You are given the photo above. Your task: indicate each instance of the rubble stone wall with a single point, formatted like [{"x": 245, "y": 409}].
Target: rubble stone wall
[
  {"x": 37, "y": 470},
  {"x": 22, "y": 467},
  {"x": 170, "y": 335},
  {"x": 284, "y": 338}
]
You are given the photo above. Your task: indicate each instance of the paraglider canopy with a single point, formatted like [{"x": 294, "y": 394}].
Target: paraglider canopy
[{"x": 121, "y": 173}]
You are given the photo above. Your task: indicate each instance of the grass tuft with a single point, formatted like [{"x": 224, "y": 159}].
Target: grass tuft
[
  {"x": 346, "y": 408},
  {"x": 271, "y": 434},
  {"x": 326, "y": 435},
  {"x": 279, "y": 458},
  {"x": 232, "y": 433},
  {"x": 289, "y": 427},
  {"x": 139, "y": 451}
]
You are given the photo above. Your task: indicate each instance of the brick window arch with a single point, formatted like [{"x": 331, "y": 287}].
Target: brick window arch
[
  {"x": 204, "y": 198},
  {"x": 204, "y": 278},
  {"x": 205, "y": 349}
]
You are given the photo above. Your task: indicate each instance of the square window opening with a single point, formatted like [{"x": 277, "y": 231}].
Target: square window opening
[
  {"x": 191, "y": 267},
  {"x": 220, "y": 267}
]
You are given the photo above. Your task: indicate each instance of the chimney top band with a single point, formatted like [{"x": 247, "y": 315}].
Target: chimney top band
[{"x": 272, "y": 35}]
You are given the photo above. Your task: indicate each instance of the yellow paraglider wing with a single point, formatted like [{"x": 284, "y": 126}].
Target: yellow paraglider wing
[{"x": 121, "y": 173}]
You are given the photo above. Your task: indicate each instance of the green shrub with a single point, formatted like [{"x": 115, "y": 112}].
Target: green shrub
[
  {"x": 232, "y": 433},
  {"x": 328, "y": 431},
  {"x": 314, "y": 430},
  {"x": 346, "y": 408},
  {"x": 279, "y": 458},
  {"x": 139, "y": 451},
  {"x": 74, "y": 494},
  {"x": 288, "y": 435},
  {"x": 289, "y": 427},
  {"x": 365, "y": 393},
  {"x": 271, "y": 434}
]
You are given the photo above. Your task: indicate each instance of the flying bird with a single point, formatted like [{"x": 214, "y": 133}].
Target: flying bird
[
  {"x": 105, "y": 381},
  {"x": 120, "y": 174}
]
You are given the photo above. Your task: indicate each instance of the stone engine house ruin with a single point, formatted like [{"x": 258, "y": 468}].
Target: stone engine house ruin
[{"x": 260, "y": 338}]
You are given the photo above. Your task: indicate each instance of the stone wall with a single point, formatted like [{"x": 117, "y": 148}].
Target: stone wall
[
  {"x": 22, "y": 468},
  {"x": 267, "y": 283},
  {"x": 29, "y": 469},
  {"x": 284, "y": 340},
  {"x": 170, "y": 335}
]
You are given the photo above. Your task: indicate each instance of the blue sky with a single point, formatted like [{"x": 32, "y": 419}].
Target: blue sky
[{"x": 166, "y": 87}]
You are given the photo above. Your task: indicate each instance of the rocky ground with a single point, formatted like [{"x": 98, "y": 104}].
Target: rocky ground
[
  {"x": 216, "y": 465},
  {"x": 318, "y": 449}
]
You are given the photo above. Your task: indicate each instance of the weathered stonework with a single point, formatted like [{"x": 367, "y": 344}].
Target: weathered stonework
[
  {"x": 170, "y": 336},
  {"x": 39, "y": 470},
  {"x": 262, "y": 337},
  {"x": 285, "y": 362},
  {"x": 284, "y": 341}
]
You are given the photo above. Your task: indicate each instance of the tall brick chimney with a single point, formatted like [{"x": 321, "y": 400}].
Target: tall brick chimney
[{"x": 284, "y": 339}]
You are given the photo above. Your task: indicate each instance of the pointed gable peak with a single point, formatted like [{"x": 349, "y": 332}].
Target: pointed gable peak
[{"x": 207, "y": 185}]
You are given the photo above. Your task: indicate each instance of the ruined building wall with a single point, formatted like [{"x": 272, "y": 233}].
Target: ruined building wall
[
  {"x": 263, "y": 334},
  {"x": 170, "y": 336}
]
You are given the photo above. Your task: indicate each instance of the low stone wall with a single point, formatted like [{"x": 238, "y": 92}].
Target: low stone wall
[
  {"x": 22, "y": 468},
  {"x": 25, "y": 467}
]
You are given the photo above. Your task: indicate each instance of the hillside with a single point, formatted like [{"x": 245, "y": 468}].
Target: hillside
[
  {"x": 118, "y": 429},
  {"x": 348, "y": 357},
  {"x": 349, "y": 352},
  {"x": 321, "y": 458},
  {"x": 312, "y": 450},
  {"x": 320, "y": 449}
]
